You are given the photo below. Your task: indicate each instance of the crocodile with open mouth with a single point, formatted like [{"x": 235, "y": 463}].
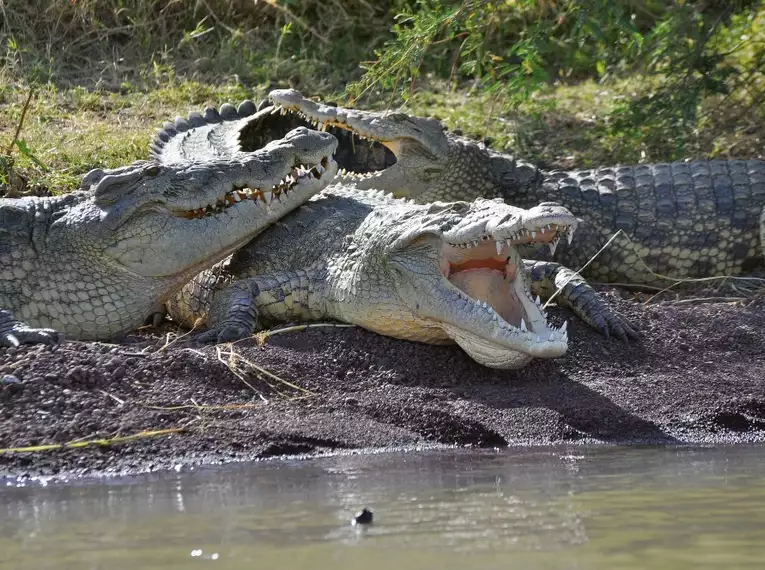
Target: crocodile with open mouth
[
  {"x": 435, "y": 273},
  {"x": 95, "y": 263},
  {"x": 682, "y": 220}
]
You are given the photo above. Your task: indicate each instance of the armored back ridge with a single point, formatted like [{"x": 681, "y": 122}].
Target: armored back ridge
[{"x": 686, "y": 219}]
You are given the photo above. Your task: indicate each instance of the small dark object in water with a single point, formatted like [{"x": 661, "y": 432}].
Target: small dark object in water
[{"x": 365, "y": 516}]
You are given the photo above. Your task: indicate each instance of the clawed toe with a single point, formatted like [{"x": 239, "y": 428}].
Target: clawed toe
[{"x": 30, "y": 336}]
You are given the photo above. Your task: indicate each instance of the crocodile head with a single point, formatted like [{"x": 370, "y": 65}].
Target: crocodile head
[
  {"x": 381, "y": 150},
  {"x": 394, "y": 152},
  {"x": 420, "y": 159},
  {"x": 452, "y": 271},
  {"x": 172, "y": 220}
]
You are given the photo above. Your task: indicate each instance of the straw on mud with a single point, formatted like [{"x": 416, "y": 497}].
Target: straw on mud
[
  {"x": 235, "y": 358},
  {"x": 112, "y": 396},
  {"x": 179, "y": 337},
  {"x": 105, "y": 441},
  {"x": 261, "y": 337},
  {"x": 701, "y": 300},
  {"x": 203, "y": 407}
]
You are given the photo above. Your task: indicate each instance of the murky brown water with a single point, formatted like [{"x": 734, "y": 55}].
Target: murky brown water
[{"x": 581, "y": 507}]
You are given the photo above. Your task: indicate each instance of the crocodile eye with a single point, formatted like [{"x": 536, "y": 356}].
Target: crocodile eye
[{"x": 152, "y": 170}]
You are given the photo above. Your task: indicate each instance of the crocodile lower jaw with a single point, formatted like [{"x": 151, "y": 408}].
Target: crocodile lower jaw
[{"x": 512, "y": 326}]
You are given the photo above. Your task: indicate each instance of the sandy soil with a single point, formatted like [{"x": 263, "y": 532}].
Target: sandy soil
[{"x": 696, "y": 376}]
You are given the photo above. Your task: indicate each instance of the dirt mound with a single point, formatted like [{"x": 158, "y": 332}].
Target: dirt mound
[{"x": 696, "y": 376}]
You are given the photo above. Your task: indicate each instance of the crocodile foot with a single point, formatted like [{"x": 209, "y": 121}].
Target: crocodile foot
[
  {"x": 223, "y": 333},
  {"x": 572, "y": 291},
  {"x": 233, "y": 314},
  {"x": 14, "y": 333},
  {"x": 609, "y": 324}
]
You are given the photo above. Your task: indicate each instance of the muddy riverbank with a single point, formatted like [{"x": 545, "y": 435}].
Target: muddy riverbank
[{"x": 696, "y": 376}]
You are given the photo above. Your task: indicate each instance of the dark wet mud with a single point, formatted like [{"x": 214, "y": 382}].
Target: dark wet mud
[{"x": 696, "y": 376}]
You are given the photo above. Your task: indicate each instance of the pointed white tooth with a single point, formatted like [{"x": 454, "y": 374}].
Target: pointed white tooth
[
  {"x": 484, "y": 305},
  {"x": 523, "y": 325},
  {"x": 538, "y": 301},
  {"x": 553, "y": 246},
  {"x": 475, "y": 243},
  {"x": 499, "y": 247},
  {"x": 533, "y": 235},
  {"x": 570, "y": 236},
  {"x": 268, "y": 195},
  {"x": 236, "y": 196},
  {"x": 539, "y": 339},
  {"x": 563, "y": 326}
]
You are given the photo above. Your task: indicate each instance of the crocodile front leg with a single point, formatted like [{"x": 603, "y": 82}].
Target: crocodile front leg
[
  {"x": 14, "y": 333},
  {"x": 236, "y": 310},
  {"x": 576, "y": 294}
]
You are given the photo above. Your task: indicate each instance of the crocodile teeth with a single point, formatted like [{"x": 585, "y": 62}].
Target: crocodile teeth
[
  {"x": 553, "y": 245},
  {"x": 538, "y": 301},
  {"x": 563, "y": 327},
  {"x": 533, "y": 235},
  {"x": 570, "y": 236},
  {"x": 523, "y": 325},
  {"x": 499, "y": 245}
]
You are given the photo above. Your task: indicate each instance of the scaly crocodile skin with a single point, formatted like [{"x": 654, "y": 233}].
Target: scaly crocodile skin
[{"x": 96, "y": 263}]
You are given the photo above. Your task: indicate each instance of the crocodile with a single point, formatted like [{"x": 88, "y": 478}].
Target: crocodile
[
  {"x": 93, "y": 264},
  {"x": 433, "y": 273},
  {"x": 669, "y": 222}
]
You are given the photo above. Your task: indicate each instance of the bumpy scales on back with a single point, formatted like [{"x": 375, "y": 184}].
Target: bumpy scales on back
[
  {"x": 94, "y": 264},
  {"x": 685, "y": 219},
  {"x": 443, "y": 272}
]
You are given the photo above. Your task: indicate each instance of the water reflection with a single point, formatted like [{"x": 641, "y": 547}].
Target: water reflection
[{"x": 557, "y": 508}]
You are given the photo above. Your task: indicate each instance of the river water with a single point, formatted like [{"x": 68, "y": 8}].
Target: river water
[{"x": 576, "y": 507}]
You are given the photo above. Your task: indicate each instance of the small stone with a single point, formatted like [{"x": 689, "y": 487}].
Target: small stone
[
  {"x": 364, "y": 516},
  {"x": 75, "y": 374},
  {"x": 10, "y": 379}
]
